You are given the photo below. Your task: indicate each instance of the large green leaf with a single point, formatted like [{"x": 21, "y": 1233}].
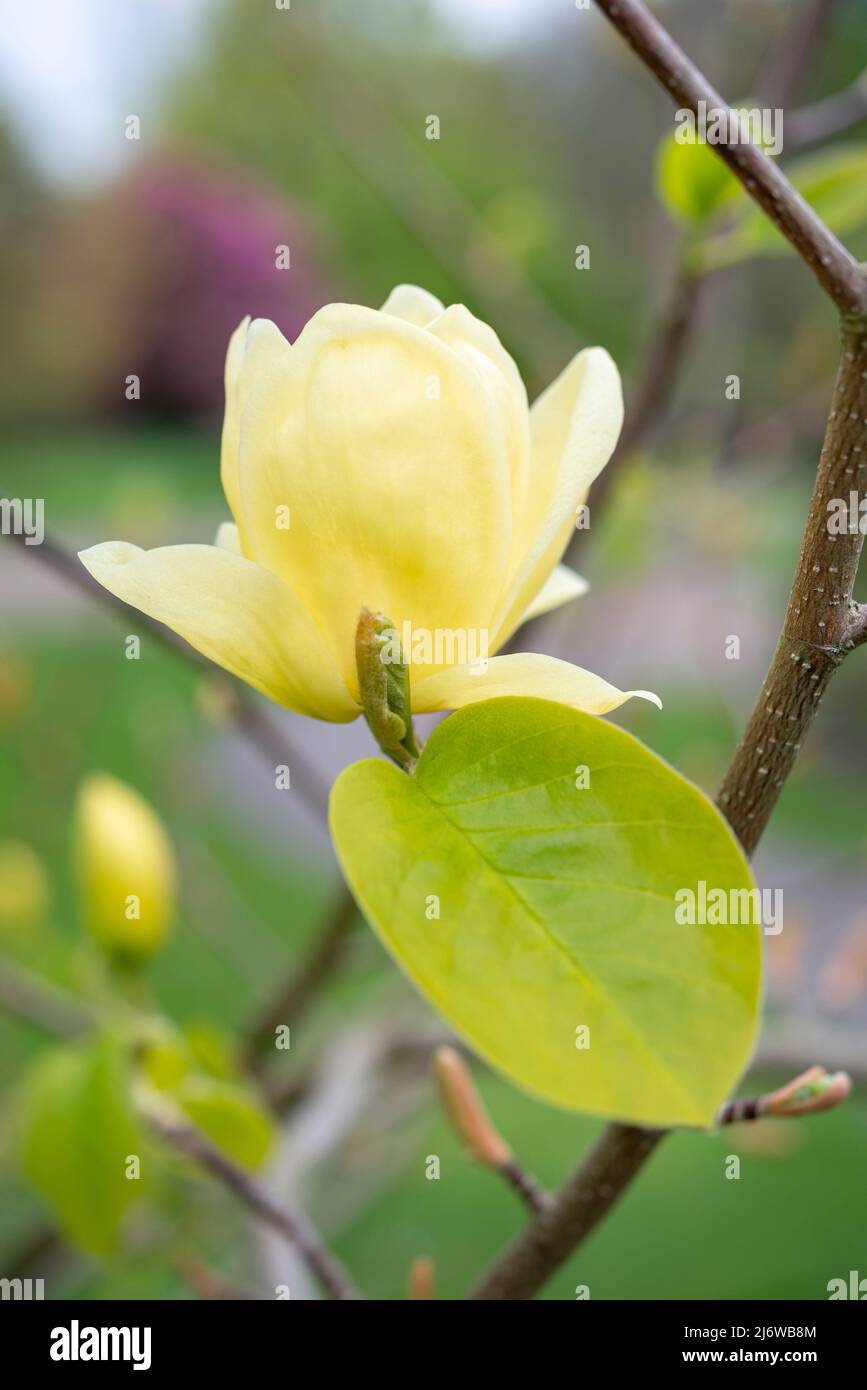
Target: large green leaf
[
  {"x": 557, "y": 907},
  {"x": 79, "y": 1129}
]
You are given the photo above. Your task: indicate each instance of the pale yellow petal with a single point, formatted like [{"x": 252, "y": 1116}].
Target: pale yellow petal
[
  {"x": 479, "y": 347},
  {"x": 236, "y": 613},
  {"x": 574, "y": 426},
  {"x": 561, "y": 586},
  {"x": 524, "y": 673},
  {"x": 387, "y": 451},
  {"x": 232, "y": 419},
  {"x": 257, "y": 351},
  {"x": 413, "y": 305}
]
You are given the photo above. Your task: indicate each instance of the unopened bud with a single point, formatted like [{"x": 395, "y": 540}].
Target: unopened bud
[
  {"x": 815, "y": 1090},
  {"x": 464, "y": 1108}
]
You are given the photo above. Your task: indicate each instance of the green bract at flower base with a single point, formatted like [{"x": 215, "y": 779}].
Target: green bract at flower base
[{"x": 525, "y": 878}]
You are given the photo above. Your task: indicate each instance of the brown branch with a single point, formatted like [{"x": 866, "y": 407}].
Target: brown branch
[
  {"x": 822, "y": 624},
  {"x": 834, "y": 267},
  {"x": 528, "y": 1188},
  {"x": 573, "y": 1213},
  {"x": 282, "y": 1218}
]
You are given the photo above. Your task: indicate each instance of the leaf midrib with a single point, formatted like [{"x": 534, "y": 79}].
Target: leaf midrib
[{"x": 505, "y": 881}]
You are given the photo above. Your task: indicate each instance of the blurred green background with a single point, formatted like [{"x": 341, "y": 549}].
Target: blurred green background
[{"x": 306, "y": 127}]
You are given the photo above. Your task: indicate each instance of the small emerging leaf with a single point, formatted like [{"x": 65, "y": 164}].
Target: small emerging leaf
[
  {"x": 692, "y": 182},
  {"x": 230, "y": 1116}
]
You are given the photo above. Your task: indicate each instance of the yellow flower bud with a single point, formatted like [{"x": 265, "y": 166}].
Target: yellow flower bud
[
  {"x": 24, "y": 889},
  {"x": 126, "y": 869}
]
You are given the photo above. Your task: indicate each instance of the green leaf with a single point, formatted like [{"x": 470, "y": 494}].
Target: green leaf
[
  {"x": 230, "y": 1116},
  {"x": 834, "y": 183},
  {"x": 692, "y": 182},
  {"x": 79, "y": 1128},
  {"x": 557, "y": 907},
  {"x": 213, "y": 1050}
]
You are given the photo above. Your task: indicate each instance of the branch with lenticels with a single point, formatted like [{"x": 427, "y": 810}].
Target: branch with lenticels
[{"x": 822, "y": 625}]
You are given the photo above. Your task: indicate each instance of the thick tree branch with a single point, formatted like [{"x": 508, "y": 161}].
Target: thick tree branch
[
  {"x": 834, "y": 267},
  {"x": 822, "y": 624}
]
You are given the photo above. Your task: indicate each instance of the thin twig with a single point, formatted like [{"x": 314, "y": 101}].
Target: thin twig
[
  {"x": 574, "y": 1211},
  {"x": 834, "y": 267},
  {"x": 471, "y": 1122},
  {"x": 282, "y": 1218},
  {"x": 38, "y": 1002}
]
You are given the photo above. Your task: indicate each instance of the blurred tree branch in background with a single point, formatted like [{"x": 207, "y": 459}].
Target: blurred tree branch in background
[
  {"x": 290, "y": 1224},
  {"x": 811, "y": 125}
]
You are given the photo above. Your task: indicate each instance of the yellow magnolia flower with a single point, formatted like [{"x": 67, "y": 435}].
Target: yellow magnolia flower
[
  {"x": 126, "y": 869},
  {"x": 387, "y": 460}
]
